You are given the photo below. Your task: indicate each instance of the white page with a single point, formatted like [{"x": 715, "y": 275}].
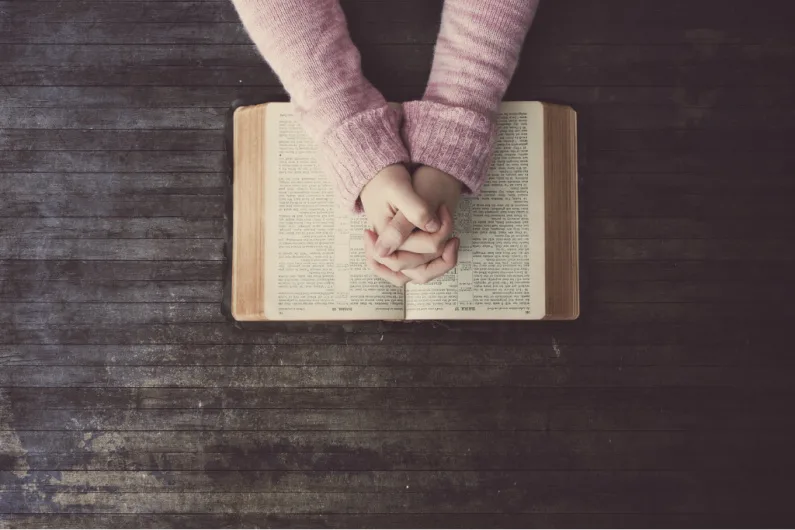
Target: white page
[
  {"x": 314, "y": 259},
  {"x": 500, "y": 271}
]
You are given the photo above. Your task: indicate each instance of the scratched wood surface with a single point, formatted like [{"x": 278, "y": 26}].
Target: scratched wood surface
[{"x": 127, "y": 399}]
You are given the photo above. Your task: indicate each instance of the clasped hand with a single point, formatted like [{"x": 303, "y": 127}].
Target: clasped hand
[{"x": 413, "y": 220}]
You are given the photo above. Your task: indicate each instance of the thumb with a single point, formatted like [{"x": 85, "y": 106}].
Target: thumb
[{"x": 416, "y": 210}]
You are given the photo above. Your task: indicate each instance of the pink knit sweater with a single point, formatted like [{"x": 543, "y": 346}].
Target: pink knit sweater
[{"x": 452, "y": 128}]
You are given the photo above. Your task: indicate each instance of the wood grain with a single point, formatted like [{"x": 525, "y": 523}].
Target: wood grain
[{"x": 128, "y": 399}]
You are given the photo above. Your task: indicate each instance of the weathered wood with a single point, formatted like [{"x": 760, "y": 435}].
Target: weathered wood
[
  {"x": 770, "y": 249},
  {"x": 104, "y": 184},
  {"x": 401, "y": 376},
  {"x": 668, "y": 292},
  {"x": 777, "y": 272},
  {"x": 474, "y": 334},
  {"x": 40, "y": 270},
  {"x": 378, "y": 354},
  {"x": 145, "y": 33},
  {"x": 409, "y": 450},
  {"x": 40, "y": 315},
  {"x": 665, "y": 405},
  {"x": 397, "y": 520},
  {"x": 672, "y": 492},
  {"x": 74, "y": 139},
  {"x": 569, "y": 402},
  {"x": 112, "y": 249},
  {"x": 144, "y": 97},
  {"x": 114, "y": 161},
  {"x": 691, "y": 183},
  {"x": 274, "y": 419},
  {"x": 287, "y": 482},
  {"x": 109, "y": 292},
  {"x": 114, "y": 227},
  {"x": 735, "y": 162},
  {"x": 674, "y": 228},
  {"x": 565, "y": 409},
  {"x": 730, "y": 142},
  {"x": 115, "y": 119}
]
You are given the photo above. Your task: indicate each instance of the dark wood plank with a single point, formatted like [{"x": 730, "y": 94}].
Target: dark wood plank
[
  {"x": 109, "y": 292},
  {"x": 94, "y": 139},
  {"x": 106, "y": 228},
  {"x": 670, "y": 493},
  {"x": 329, "y": 353},
  {"x": 114, "y": 161},
  {"x": 40, "y": 270},
  {"x": 124, "y": 119},
  {"x": 402, "y": 376},
  {"x": 216, "y": 450},
  {"x": 777, "y": 272},
  {"x": 397, "y": 520},
  {"x": 564, "y": 409},
  {"x": 104, "y": 184},
  {"x": 39, "y": 315},
  {"x": 114, "y": 249}
]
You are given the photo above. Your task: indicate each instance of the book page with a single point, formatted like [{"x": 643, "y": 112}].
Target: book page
[
  {"x": 314, "y": 260},
  {"x": 500, "y": 271}
]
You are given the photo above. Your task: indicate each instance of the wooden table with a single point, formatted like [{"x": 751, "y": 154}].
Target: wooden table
[{"x": 128, "y": 399}]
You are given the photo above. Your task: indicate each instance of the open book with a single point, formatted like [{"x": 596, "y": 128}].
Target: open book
[{"x": 297, "y": 256}]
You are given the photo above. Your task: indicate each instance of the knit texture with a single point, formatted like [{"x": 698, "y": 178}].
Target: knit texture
[
  {"x": 306, "y": 43},
  {"x": 453, "y": 128}
]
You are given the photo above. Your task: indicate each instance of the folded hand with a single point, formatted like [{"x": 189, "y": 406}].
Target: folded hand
[
  {"x": 400, "y": 255},
  {"x": 395, "y": 210}
]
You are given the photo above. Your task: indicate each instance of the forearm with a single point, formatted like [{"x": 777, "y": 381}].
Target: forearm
[
  {"x": 307, "y": 44},
  {"x": 453, "y": 127}
]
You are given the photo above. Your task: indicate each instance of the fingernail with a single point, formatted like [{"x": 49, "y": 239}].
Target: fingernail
[{"x": 433, "y": 225}]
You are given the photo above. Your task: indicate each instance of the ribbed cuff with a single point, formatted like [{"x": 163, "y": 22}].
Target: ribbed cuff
[
  {"x": 357, "y": 149},
  {"x": 455, "y": 140}
]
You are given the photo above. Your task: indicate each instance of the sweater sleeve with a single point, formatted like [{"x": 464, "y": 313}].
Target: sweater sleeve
[
  {"x": 306, "y": 43},
  {"x": 453, "y": 127}
]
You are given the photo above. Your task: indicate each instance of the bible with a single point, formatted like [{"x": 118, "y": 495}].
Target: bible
[{"x": 296, "y": 255}]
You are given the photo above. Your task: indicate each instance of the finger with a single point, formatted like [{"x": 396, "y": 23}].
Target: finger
[
  {"x": 395, "y": 278},
  {"x": 438, "y": 267},
  {"x": 425, "y": 243},
  {"x": 418, "y": 212},
  {"x": 401, "y": 259},
  {"x": 393, "y": 235}
]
